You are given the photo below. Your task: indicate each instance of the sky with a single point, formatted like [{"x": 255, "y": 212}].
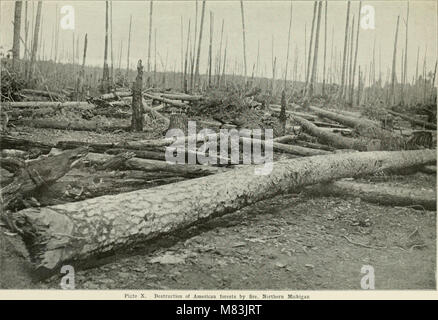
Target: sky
[{"x": 264, "y": 21}]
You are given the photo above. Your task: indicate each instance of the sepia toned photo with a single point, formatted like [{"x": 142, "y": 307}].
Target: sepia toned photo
[{"x": 218, "y": 145}]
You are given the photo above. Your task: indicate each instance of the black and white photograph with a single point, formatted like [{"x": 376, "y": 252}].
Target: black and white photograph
[{"x": 272, "y": 147}]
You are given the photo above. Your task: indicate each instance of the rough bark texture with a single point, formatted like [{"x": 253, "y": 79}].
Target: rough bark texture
[
  {"x": 76, "y": 231},
  {"x": 366, "y": 128},
  {"x": 9, "y": 142},
  {"x": 137, "y": 100},
  {"x": 17, "y": 30},
  {"x": 336, "y": 140},
  {"x": 79, "y": 125},
  {"x": 375, "y": 193}
]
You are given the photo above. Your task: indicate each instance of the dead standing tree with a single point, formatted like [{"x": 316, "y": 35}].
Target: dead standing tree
[
  {"x": 315, "y": 53},
  {"x": 198, "y": 55},
  {"x": 344, "y": 57},
  {"x": 243, "y": 39},
  {"x": 17, "y": 30},
  {"x": 105, "y": 77},
  {"x": 137, "y": 100},
  {"x": 394, "y": 58},
  {"x": 35, "y": 41}
]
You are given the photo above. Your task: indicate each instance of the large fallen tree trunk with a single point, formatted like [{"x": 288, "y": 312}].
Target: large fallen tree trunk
[
  {"x": 186, "y": 170},
  {"x": 47, "y": 104},
  {"x": 379, "y": 193},
  {"x": 336, "y": 140},
  {"x": 411, "y": 119},
  {"x": 72, "y": 232},
  {"x": 297, "y": 150},
  {"x": 366, "y": 128},
  {"x": 48, "y": 94},
  {"x": 174, "y": 103},
  {"x": 9, "y": 142},
  {"x": 77, "y": 125}
]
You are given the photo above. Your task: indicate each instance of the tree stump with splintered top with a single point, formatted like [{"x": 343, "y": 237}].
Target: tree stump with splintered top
[{"x": 137, "y": 102}]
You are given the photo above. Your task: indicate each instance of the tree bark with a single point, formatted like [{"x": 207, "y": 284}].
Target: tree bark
[
  {"x": 17, "y": 31},
  {"x": 381, "y": 194},
  {"x": 75, "y": 232},
  {"x": 35, "y": 41},
  {"x": 336, "y": 140},
  {"x": 137, "y": 100}
]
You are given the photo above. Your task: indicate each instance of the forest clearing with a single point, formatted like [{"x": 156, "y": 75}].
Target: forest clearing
[{"x": 291, "y": 178}]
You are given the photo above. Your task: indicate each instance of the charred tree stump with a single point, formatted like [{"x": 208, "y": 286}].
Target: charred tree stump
[{"x": 137, "y": 100}]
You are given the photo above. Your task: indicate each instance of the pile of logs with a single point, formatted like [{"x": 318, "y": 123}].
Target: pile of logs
[{"x": 71, "y": 201}]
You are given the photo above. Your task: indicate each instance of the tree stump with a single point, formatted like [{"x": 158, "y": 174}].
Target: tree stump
[
  {"x": 178, "y": 120},
  {"x": 137, "y": 100}
]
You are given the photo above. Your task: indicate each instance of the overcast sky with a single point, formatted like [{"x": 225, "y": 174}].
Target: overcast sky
[{"x": 263, "y": 20}]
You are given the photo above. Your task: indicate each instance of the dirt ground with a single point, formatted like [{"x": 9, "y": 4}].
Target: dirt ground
[{"x": 293, "y": 241}]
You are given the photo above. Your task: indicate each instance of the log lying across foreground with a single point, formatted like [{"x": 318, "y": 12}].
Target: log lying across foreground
[{"x": 74, "y": 232}]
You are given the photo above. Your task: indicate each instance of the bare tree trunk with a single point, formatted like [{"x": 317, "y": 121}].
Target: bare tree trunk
[
  {"x": 198, "y": 55},
  {"x": 325, "y": 49},
  {"x": 405, "y": 68},
  {"x": 185, "y": 80},
  {"x": 129, "y": 49},
  {"x": 243, "y": 38},
  {"x": 309, "y": 59},
  {"x": 394, "y": 58},
  {"x": 192, "y": 65},
  {"x": 355, "y": 54},
  {"x": 105, "y": 76},
  {"x": 150, "y": 37},
  {"x": 344, "y": 57},
  {"x": 350, "y": 68},
  {"x": 288, "y": 44},
  {"x": 218, "y": 68},
  {"x": 210, "y": 48},
  {"x": 315, "y": 53},
  {"x": 111, "y": 43},
  {"x": 17, "y": 31},
  {"x": 137, "y": 100},
  {"x": 35, "y": 41}
]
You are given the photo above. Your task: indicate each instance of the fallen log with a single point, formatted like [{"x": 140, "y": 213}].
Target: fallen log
[
  {"x": 181, "y": 96},
  {"x": 37, "y": 173},
  {"x": 9, "y": 142},
  {"x": 48, "y": 94},
  {"x": 115, "y": 95},
  {"x": 47, "y": 104},
  {"x": 336, "y": 140},
  {"x": 379, "y": 193},
  {"x": 429, "y": 169},
  {"x": 174, "y": 103},
  {"x": 412, "y": 119},
  {"x": 307, "y": 116},
  {"x": 184, "y": 170},
  {"x": 73, "y": 232},
  {"x": 285, "y": 139},
  {"x": 366, "y": 128},
  {"x": 297, "y": 150},
  {"x": 77, "y": 125}
]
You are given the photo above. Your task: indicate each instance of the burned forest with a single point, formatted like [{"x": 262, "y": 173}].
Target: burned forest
[{"x": 218, "y": 145}]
